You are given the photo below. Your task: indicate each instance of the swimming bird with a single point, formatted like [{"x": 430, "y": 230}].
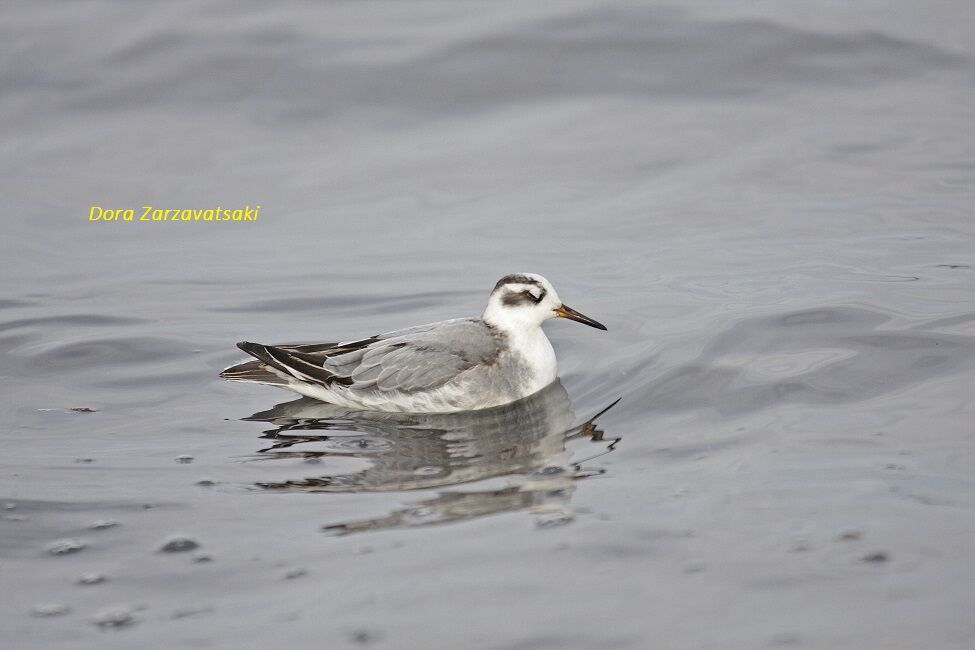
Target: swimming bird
[{"x": 462, "y": 364}]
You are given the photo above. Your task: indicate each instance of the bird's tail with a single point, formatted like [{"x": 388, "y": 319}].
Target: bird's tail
[{"x": 254, "y": 371}]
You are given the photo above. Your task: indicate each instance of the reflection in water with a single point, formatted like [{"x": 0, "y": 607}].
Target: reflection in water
[{"x": 524, "y": 441}]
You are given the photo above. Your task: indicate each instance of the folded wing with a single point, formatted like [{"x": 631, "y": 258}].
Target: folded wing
[{"x": 412, "y": 360}]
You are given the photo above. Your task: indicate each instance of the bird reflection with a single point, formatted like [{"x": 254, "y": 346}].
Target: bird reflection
[{"x": 530, "y": 443}]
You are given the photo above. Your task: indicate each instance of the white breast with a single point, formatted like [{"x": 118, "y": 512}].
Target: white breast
[{"x": 537, "y": 354}]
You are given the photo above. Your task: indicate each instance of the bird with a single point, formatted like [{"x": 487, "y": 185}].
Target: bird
[{"x": 461, "y": 364}]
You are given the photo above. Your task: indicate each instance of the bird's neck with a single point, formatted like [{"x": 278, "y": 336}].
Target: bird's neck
[{"x": 529, "y": 343}]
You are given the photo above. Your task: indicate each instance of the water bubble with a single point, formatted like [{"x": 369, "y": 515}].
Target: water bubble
[
  {"x": 49, "y": 610},
  {"x": 15, "y": 518},
  {"x": 295, "y": 573},
  {"x": 875, "y": 558},
  {"x": 191, "y": 612},
  {"x": 202, "y": 559},
  {"x": 801, "y": 546},
  {"x": 65, "y": 546},
  {"x": 103, "y": 524},
  {"x": 91, "y": 579},
  {"x": 427, "y": 471},
  {"x": 114, "y": 617},
  {"x": 551, "y": 470},
  {"x": 10, "y": 505},
  {"x": 784, "y": 638},
  {"x": 360, "y": 443},
  {"x": 365, "y": 637},
  {"x": 83, "y": 409},
  {"x": 695, "y": 567},
  {"x": 179, "y": 545},
  {"x": 184, "y": 459},
  {"x": 206, "y": 482},
  {"x": 420, "y": 513},
  {"x": 554, "y": 519}
]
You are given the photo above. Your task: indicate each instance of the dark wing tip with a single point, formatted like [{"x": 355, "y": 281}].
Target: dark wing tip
[
  {"x": 304, "y": 366},
  {"x": 254, "y": 370},
  {"x": 256, "y": 350},
  {"x": 259, "y": 352}
]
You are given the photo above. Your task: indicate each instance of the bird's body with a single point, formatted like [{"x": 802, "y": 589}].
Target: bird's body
[
  {"x": 461, "y": 364},
  {"x": 454, "y": 365}
]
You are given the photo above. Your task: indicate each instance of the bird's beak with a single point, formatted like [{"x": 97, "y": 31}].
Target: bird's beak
[{"x": 572, "y": 314}]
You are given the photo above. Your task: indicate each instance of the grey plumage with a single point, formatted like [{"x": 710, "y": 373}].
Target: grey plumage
[{"x": 414, "y": 359}]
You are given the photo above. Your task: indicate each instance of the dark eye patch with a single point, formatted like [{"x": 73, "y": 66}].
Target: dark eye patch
[{"x": 512, "y": 298}]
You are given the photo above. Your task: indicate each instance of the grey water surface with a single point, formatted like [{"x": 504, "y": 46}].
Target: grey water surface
[{"x": 769, "y": 204}]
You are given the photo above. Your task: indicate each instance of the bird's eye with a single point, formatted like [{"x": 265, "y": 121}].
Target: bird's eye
[{"x": 534, "y": 294}]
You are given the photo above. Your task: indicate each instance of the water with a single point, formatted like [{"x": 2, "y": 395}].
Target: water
[{"x": 768, "y": 205}]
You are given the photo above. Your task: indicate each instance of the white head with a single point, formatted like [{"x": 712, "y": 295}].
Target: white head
[{"x": 523, "y": 301}]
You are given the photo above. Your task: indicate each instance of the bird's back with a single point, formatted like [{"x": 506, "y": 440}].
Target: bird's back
[{"x": 450, "y": 365}]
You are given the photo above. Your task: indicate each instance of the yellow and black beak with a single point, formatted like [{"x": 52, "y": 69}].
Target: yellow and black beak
[{"x": 572, "y": 314}]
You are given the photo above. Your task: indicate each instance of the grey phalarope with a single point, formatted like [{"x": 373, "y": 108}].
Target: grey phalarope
[{"x": 463, "y": 364}]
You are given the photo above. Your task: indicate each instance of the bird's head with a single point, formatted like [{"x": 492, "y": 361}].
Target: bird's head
[{"x": 526, "y": 300}]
